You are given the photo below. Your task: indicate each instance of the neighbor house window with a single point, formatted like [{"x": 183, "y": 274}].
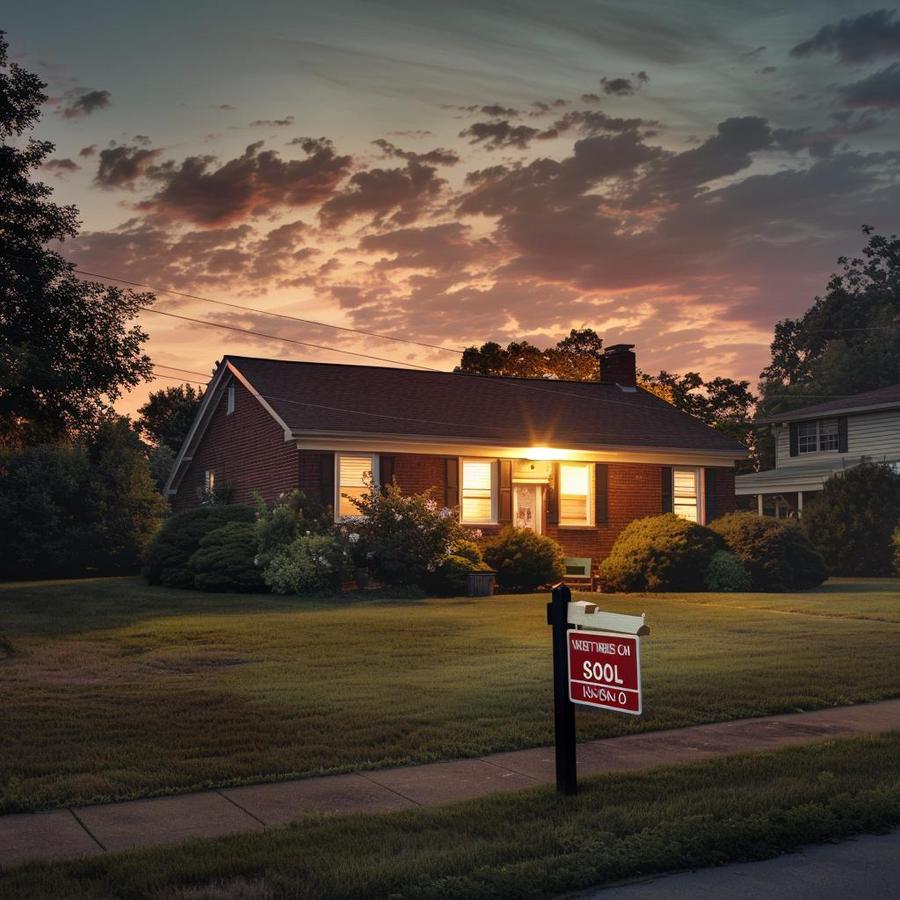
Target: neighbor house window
[
  {"x": 352, "y": 471},
  {"x": 230, "y": 400},
  {"x": 479, "y": 491},
  {"x": 575, "y": 506},
  {"x": 209, "y": 481},
  {"x": 819, "y": 435},
  {"x": 686, "y": 493}
]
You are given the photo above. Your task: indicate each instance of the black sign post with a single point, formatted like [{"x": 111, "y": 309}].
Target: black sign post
[{"x": 563, "y": 708}]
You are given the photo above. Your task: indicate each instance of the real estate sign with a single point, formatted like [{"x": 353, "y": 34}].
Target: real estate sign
[{"x": 605, "y": 670}]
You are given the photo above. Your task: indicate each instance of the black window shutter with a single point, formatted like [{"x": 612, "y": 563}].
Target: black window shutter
[
  {"x": 601, "y": 493},
  {"x": 553, "y": 497},
  {"x": 842, "y": 434},
  {"x": 451, "y": 482},
  {"x": 504, "y": 505},
  {"x": 326, "y": 479},
  {"x": 709, "y": 494},
  {"x": 385, "y": 470},
  {"x": 666, "y": 478},
  {"x": 794, "y": 431}
]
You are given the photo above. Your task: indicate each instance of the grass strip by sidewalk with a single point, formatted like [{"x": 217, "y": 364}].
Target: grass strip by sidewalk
[{"x": 529, "y": 844}]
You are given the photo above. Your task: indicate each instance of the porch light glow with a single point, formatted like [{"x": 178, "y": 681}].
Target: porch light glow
[{"x": 542, "y": 453}]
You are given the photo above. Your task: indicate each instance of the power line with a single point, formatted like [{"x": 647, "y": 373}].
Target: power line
[
  {"x": 277, "y": 337},
  {"x": 205, "y": 375},
  {"x": 265, "y": 312}
]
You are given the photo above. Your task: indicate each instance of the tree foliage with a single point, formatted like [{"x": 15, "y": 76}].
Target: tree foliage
[
  {"x": 78, "y": 508},
  {"x": 67, "y": 350},
  {"x": 852, "y": 519},
  {"x": 848, "y": 341},
  {"x": 166, "y": 417}
]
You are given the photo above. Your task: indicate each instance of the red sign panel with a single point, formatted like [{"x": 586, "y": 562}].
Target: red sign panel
[{"x": 605, "y": 671}]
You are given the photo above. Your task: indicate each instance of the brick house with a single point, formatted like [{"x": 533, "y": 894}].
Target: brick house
[{"x": 574, "y": 460}]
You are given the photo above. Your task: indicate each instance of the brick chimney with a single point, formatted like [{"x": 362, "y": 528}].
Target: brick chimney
[{"x": 618, "y": 365}]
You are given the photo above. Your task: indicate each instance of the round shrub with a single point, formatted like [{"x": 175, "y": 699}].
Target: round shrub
[
  {"x": 660, "y": 553},
  {"x": 167, "y": 555},
  {"x": 850, "y": 522},
  {"x": 450, "y": 578},
  {"x": 776, "y": 552},
  {"x": 311, "y": 563},
  {"x": 524, "y": 560},
  {"x": 726, "y": 573},
  {"x": 226, "y": 560}
]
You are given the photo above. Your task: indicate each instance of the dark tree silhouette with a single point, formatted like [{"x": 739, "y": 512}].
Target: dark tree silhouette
[
  {"x": 167, "y": 415},
  {"x": 66, "y": 349}
]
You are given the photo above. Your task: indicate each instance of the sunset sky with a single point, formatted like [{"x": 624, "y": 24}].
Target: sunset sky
[{"x": 675, "y": 175}]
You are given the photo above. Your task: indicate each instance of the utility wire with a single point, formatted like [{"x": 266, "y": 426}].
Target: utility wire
[{"x": 265, "y": 312}]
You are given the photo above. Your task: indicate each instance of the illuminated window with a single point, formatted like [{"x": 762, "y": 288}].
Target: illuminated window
[
  {"x": 686, "y": 494},
  {"x": 352, "y": 471},
  {"x": 479, "y": 491},
  {"x": 230, "y": 402},
  {"x": 575, "y": 507},
  {"x": 209, "y": 481}
]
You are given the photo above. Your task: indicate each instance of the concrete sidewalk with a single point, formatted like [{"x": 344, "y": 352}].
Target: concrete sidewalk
[{"x": 90, "y": 830}]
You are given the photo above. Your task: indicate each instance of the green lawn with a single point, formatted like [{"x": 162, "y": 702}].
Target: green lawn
[
  {"x": 530, "y": 844},
  {"x": 114, "y": 689}
]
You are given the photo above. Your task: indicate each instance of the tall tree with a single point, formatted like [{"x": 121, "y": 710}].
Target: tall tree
[
  {"x": 67, "y": 350},
  {"x": 576, "y": 357},
  {"x": 167, "y": 415},
  {"x": 848, "y": 341}
]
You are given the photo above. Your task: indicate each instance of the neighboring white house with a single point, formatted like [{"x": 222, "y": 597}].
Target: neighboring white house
[{"x": 813, "y": 443}]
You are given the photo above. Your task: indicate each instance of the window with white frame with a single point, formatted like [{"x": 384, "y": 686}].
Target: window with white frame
[
  {"x": 230, "y": 399},
  {"x": 575, "y": 494},
  {"x": 352, "y": 470},
  {"x": 478, "y": 491},
  {"x": 821, "y": 435},
  {"x": 686, "y": 493}
]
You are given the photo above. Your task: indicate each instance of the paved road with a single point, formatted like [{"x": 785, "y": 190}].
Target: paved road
[{"x": 865, "y": 868}]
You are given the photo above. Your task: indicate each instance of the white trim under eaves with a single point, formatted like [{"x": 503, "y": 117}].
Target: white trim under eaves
[
  {"x": 444, "y": 446},
  {"x": 198, "y": 427}
]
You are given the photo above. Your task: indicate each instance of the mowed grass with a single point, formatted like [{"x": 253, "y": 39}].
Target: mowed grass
[
  {"x": 530, "y": 844},
  {"x": 116, "y": 690}
]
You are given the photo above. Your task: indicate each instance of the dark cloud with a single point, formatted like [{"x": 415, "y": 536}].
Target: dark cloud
[
  {"x": 436, "y": 157},
  {"x": 864, "y": 38},
  {"x": 495, "y": 109},
  {"x": 768, "y": 70},
  {"x": 406, "y": 193},
  {"x": 725, "y": 153},
  {"x": 823, "y": 141},
  {"x": 591, "y": 121},
  {"x": 122, "y": 165},
  {"x": 881, "y": 90},
  {"x": 256, "y": 182},
  {"x": 412, "y": 133},
  {"x": 272, "y": 123},
  {"x": 225, "y": 106},
  {"x": 439, "y": 247},
  {"x": 494, "y": 135},
  {"x": 590, "y": 98},
  {"x": 61, "y": 166},
  {"x": 239, "y": 256},
  {"x": 78, "y": 102},
  {"x": 90, "y": 150},
  {"x": 624, "y": 87}
]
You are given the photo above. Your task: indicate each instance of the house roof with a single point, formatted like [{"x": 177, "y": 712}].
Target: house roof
[
  {"x": 316, "y": 398},
  {"x": 882, "y": 398},
  {"x": 802, "y": 477}
]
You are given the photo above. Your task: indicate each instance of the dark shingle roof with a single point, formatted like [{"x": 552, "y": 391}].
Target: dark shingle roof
[
  {"x": 885, "y": 397},
  {"x": 324, "y": 397}
]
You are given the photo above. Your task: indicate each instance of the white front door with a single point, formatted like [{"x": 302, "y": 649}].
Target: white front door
[{"x": 527, "y": 506}]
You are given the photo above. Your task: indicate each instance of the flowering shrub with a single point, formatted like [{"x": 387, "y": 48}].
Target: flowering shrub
[
  {"x": 450, "y": 578},
  {"x": 291, "y": 515},
  {"x": 406, "y": 537},
  {"x": 309, "y": 563}
]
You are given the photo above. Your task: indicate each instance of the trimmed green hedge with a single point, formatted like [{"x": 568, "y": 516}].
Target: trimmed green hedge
[
  {"x": 168, "y": 554},
  {"x": 776, "y": 552},
  {"x": 660, "y": 553},
  {"x": 523, "y": 559},
  {"x": 226, "y": 560}
]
